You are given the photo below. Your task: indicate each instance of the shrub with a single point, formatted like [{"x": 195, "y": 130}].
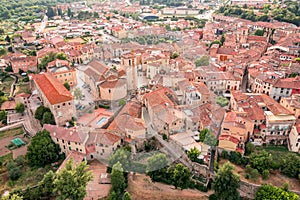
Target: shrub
[
  {"x": 213, "y": 197},
  {"x": 254, "y": 174},
  {"x": 13, "y": 171},
  {"x": 265, "y": 174},
  {"x": 235, "y": 157},
  {"x": 201, "y": 187},
  {"x": 165, "y": 137},
  {"x": 224, "y": 154}
]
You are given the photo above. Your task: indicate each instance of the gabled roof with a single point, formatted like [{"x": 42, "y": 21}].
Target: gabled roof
[
  {"x": 292, "y": 83},
  {"x": 54, "y": 90},
  {"x": 96, "y": 70},
  {"x": 67, "y": 134}
]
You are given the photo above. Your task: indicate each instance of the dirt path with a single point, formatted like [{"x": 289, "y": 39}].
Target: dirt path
[{"x": 143, "y": 188}]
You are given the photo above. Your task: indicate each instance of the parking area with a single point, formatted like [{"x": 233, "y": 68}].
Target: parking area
[{"x": 86, "y": 103}]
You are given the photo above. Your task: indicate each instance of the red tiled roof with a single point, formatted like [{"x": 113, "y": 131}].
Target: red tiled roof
[
  {"x": 293, "y": 83},
  {"x": 24, "y": 95},
  {"x": 113, "y": 84},
  {"x": 229, "y": 138},
  {"x": 54, "y": 90},
  {"x": 8, "y": 105},
  {"x": 77, "y": 159},
  {"x": 67, "y": 134}
]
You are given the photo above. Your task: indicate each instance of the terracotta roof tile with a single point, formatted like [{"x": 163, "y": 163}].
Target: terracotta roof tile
[
  {"x": 67, "y": 134},
  {"x": 54, "y": 90}
]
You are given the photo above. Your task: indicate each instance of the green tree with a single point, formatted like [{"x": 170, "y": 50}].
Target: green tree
[
  {"x": 46, "y": 59},
  {"x": 261, "y": 161},
  {"x": 222, "y": 40},
  {"x": 40, "y": 112},
  {"x": 7, "y": 39},
  {"x": 67, "y": 85},
  {"x": 226, "y": 183},
  {"x": 181, "y": 176},
  {"x": 13, "y": 170},
  {"x": 46, "y": 185},
  {"x": 203, "y": 133},
  {"x": 203, "y": 61},
  {"x": 61, "y": 56},
  {"x": 3, "y": 115},
  {"x": 3, "y": 52},
  {"x": 50, "y": 12},
  {"x": 215, "y": 42},
  {"x": 174, "y": 55},
  {"x": 156, "y": 162},
  {"x": 122, "y": 102},
  {"x": 265, "y": 174},
  {"x": 77, "y": 93},
  {"x": 193, "y": 154},
  {"x": 69, "y": 13},
  {"x": 12, "y": 197},
  {"x": 259, "y": 32},
  {"x": 20, "y": 160},
  {"x": 20, "y": 107},
  {"x": 127, "y": 196},
  {"x": 235, "y": 157},
  {"x": 266, "y": 192},
  {"x": 96, "y": 15},
  {"x": 42, "y": 150},
  {"x": 48, "y": 118},
  {"x": 210, "y": 140},
  {"x": 71, "y": 181},
  {"x": 59, "y": 12},
  {"x": 224, "y": 154},
  {"x": 249, "y": 148},
  {"x": 118, "y": 184},
  {"x": 222, "y": 101},
  {"x": 291, "y": 165},
  {"x": 122, "y": 156}
]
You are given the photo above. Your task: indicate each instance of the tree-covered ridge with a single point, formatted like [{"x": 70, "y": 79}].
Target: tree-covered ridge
[
  {"x": 26, "y": 9},
  {"x": 289, "y": 12}
]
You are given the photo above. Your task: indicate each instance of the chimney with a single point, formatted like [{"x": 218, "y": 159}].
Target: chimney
[{"x": 71, "y": 132}]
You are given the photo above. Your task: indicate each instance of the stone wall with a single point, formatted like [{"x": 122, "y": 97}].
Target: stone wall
[{"x": 248, "y": 190}]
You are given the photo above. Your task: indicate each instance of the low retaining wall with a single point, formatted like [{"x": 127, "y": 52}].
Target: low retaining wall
[{"x": 248, "y": 190}]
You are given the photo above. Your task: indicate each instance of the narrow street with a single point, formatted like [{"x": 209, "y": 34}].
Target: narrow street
[{"x": 245, "y": 81}]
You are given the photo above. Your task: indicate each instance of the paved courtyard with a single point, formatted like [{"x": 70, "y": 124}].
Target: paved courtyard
[{"x": 95, "y": 190}]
